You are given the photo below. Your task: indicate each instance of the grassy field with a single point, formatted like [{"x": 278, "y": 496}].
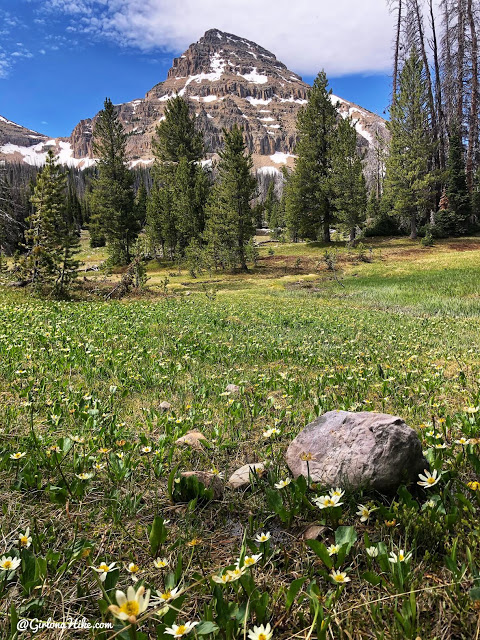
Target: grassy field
[{"x": 96, "y": 479}]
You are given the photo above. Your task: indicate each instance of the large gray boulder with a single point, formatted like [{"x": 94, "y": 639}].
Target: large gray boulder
[{"x": 353, "y": 450}]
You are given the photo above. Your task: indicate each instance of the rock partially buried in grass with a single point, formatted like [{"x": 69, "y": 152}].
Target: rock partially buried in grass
[
  {"x": 209, "y": 480},
  {"x": 165, "y": 406},
  {"x": 313, "y": 532},
  {"x": 232, "y": 388},
  {"x": 192, "y": 439},
  {"x": 354, "y": 450},
  {"x": 241, "y": 477}
]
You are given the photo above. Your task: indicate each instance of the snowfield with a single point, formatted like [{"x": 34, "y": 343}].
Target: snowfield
[{"x": 37, "y": 154}]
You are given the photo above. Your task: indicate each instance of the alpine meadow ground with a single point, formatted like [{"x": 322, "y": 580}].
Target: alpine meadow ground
[{"x": 98, "y": 522}]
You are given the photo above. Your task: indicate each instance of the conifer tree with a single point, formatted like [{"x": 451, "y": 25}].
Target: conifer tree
[
  {"x": 161, "y": 226},
  {"x": 176, "y": 208},
  {"x": 347, "y": 179},
  {"x": 68, "y": 264},
  {"x": 408, "y": 178},
  {"x": 141, "y": 203},
  {"x": 454, "y": 220},
  {"x": 373, "y": 208},
  {"x": 309, "y": 199},
  {"x": 229, "y": 214},
  {"x": 176, "y": 136},
  {"x": 269, "y": 206},
  {"x": 73, "y": 206},
  {"x": 114, "y": 212},
  {"x": 51, "y": 238},
  {"x": 476, "y": 197}
]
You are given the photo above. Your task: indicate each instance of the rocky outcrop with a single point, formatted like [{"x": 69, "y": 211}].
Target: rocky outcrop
[
  {"x": 81, "y": 139},
  {"x": 354, "y": 450}
]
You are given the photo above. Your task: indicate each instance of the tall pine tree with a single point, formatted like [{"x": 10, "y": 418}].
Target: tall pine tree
[
  {"x": 114, "y": 212},
  {"x": 347, "y": 179},
  {"x": 176, "y": 208},
  {"x": 309, "y": 207},
  {"x": 230, "y": 223},
  {"x": 455, "y": 219},
  {"x": 51, "y": 238},
  {"x": 409, "y": 179}
]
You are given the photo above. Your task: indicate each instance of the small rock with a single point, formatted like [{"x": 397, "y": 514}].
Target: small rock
[
  {"x": 241, "y": 477},
  {"x": 210, "y": 480},
  {"x": 192, "y": 439},
  {"x": 232, "y": 388},
  {"x": 165, "y": 406},
  {"x": 313, "y": 532},
  {"x": 353, "y": 450}
]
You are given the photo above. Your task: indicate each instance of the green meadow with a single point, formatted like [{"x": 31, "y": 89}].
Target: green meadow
[{"x": 92, "y": 496}]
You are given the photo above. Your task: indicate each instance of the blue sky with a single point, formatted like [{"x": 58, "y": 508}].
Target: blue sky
[{"x": 59, "y": 59}]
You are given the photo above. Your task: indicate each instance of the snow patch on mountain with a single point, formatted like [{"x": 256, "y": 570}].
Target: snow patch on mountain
[
  {"x": 257, "y": 101},
  {"x": 134, "y": 163},
  {"x": 2, "y": 119},
  {"x": 291, "y": 99},
  {"x": 355, "y": 113},
  {"x": 217, "y": 67},
  {"x": 281, "y": 158},
  {"x": 254, "y": 76},
  {"x": 269, "y": 171},
  {"x": 37, "y": 154}
]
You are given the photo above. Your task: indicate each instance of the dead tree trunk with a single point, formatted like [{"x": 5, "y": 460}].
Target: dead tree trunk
[
  {"x": 438, "y": 91},
  {"x": 396, "y": 56},
  {"x": 473, "y": 115},
  {"x": 460, "y": 91}
]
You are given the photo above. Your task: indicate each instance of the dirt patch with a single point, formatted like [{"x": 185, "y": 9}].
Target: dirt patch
[{"x": 464, "y": 246}]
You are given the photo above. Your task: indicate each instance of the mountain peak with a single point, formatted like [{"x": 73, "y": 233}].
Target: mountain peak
[
  {"x": 221, "y": 39},
  {"x": 218, "y": 54}
]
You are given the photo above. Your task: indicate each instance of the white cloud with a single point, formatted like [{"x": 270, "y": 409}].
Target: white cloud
[
  {"x": 343, "y": 36},
  {"x": 4, "y": 66}
]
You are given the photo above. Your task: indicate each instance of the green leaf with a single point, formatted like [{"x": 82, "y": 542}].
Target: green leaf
[
  {"x": 171, "y": 615},
  {"x": 260, "y": 606},
  {"x": 111, "y": 580},
  {"x": 206, "y": 627},
  {"x": 475, "y": 593},
  {"x": 171, "y": 481},
  {"x": 407, "y": 498},
  {"x": 372, "y": 578},
  {"x": 345, "y": 535},
  {"x": 293, "y": 590},
  {"x": 275, "y": 502},
  {"x": 13, "y": 621},
  {"x": 58, "y": 495},
  {"x": 158, "y": 534},
  {"x": 321, "y": 551}
]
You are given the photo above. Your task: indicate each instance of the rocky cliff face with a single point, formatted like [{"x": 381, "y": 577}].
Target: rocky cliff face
[{"x": 228, "y": 80}]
